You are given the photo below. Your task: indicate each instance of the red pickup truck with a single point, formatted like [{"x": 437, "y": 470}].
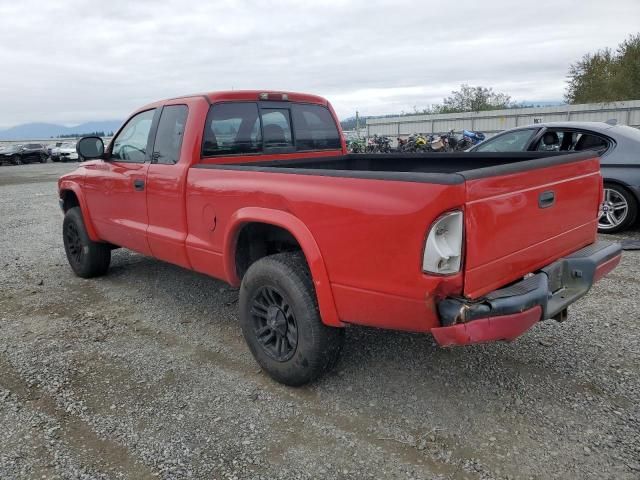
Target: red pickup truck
[{"x": 257, "y": 188}]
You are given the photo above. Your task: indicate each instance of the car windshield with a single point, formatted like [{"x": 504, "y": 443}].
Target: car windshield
[{"x": 10, "y": 148}]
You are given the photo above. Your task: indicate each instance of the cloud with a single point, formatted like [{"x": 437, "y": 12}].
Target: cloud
[{"x": 72, "y": 61}]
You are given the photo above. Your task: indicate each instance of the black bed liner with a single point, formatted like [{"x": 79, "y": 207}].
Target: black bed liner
[{"x": 440, "y": 168}]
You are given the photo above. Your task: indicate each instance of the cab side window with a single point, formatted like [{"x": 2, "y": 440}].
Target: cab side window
[
  {"x": 168, "y": 141},
  {"x": 131, "y": 143}
]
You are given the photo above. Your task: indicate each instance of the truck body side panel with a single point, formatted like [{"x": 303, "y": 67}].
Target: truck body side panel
[{"x": 370, "y": 234}]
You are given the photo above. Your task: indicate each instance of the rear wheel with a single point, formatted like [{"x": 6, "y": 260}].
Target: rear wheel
[
  {"x": 618, "y": 210},
  {"x": 281, "y": 322},
  {"x": 86, "y": 257}
]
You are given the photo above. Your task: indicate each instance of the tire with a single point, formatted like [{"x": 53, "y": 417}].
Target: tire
[
  {"x": 278, "y": 304},
  {"x": 87, "y": 258},
  {"x": 43, "y": 159},
  {"x": 15, "y": 160},
  {"x": 619, "y": 209}
]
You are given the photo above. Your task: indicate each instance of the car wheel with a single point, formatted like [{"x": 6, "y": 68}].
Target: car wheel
[
  {"x": 281, "y": 322},
  {"x": 43, "y": 159},
  {"x": 618, "y": 210},
  {"x": 15, "y": 160},
  {"x": 86, "y": 257}
]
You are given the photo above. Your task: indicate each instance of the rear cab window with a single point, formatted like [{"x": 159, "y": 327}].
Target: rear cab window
[
  {"x": 315, "y": 127},
  {"x": 232, "y": 129},
  {"x": 246, "y": 128}
]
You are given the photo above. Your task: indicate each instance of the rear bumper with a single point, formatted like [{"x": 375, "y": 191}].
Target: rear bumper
[{"x": 507, "y": 313}]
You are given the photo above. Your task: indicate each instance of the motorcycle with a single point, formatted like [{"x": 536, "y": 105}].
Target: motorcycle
[
  {"x": 466, "y": 140},
  {"x": 356, "y": 146},
  {"x": 474, "y": 137},
  {"x": 416, "y": 143},
  {"x": 438, "y": 143},
  {"x": 378, "y": 144}
]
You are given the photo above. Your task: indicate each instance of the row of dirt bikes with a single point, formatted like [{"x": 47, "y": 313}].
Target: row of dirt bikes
[{"x": 418, "y": 143}]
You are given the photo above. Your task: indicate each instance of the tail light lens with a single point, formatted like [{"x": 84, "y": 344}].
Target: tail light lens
[{"x": 443, "y": 249}]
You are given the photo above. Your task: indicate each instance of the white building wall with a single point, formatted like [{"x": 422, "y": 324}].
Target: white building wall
[{"x": 626, "y": 113}]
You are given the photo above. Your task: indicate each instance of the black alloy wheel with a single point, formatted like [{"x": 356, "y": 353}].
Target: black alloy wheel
[
  {"x": 74, "y": 243},
  {"x": 274, "y": 324}
]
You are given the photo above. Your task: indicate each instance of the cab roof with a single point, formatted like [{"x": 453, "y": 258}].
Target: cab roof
[{"x": 248, "y": 95}]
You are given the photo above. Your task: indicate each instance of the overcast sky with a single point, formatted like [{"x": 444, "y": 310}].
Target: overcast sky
[{"x": 71, "y": 61}]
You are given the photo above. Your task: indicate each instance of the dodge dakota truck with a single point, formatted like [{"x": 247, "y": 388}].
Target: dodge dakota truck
[{"x": 257, "y": 189}]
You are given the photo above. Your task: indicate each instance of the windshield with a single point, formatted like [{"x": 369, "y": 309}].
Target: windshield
[{"x": 9, "y": 148}]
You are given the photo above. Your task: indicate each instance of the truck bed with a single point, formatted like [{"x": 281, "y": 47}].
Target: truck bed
[
  {"x": 440, "y": 168},
  {"x": 522, "y": 210}
]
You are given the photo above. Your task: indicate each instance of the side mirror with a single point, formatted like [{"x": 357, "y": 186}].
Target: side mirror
[{"x": 90, "y": 147}]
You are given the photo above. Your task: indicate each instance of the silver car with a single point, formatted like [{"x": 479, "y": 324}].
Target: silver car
[{"x": 618, "y": 145}]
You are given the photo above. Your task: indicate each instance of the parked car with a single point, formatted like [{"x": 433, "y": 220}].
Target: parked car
[
  {"x": 28, "y": 153},
  {"x": 54, "y": 151},
  {"x": 67, "y": 152},
  {"x": 618, "y": 145},
  {"x": 257, "y": 189},
  {"x": 8, "y": 154}
]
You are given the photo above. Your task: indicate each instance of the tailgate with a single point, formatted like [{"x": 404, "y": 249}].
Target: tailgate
[{"x": 523, "y": 216}]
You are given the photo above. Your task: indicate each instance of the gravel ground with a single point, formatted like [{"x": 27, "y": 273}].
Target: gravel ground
[{"x": 144, "y": 374}]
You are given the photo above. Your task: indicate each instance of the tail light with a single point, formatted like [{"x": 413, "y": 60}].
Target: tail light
[{"x": 443, "y": 248}]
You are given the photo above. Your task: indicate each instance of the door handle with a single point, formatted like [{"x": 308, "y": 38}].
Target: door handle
[
  {"x": 138, "y": 185},
  {"x": 546, "y": 199}
]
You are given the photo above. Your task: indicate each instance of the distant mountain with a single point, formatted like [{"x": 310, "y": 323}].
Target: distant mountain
[{"x": 41, "y": 131}]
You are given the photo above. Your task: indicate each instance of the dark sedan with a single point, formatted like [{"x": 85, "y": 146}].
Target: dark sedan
[{"x": 618, "y": 145}]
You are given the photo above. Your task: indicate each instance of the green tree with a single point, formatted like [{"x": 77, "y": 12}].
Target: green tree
[
  {"x": 606, "y": 76},
  {"x": 473, "y": 99}
]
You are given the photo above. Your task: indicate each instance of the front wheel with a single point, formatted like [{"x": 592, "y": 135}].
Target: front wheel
[
  {"x": 618, "y": 210},
  {"x": 281, "y": 322},
  {"x": 15, "y": 160},
  {"x": 86, "y": 257}
]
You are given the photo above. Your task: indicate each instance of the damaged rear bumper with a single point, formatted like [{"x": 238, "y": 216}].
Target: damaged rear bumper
[{"x": 507, "y": 313}]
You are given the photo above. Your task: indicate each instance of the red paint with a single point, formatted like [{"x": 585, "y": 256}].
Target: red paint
[
  {"x": 505, "y": 327},
  {"x": 363, "y": 239},
  {"x": 511, "y": 236}
]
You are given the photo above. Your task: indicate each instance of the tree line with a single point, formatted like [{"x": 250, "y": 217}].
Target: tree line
[{"x": 99, "y": 133}]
